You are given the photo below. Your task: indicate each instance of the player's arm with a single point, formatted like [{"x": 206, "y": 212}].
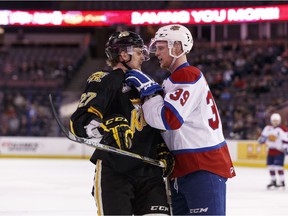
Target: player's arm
[
  {"x": 263, "y": 137},
  {"x": 285, "y": 147},
  {"x": 91, "y": 106},
  {"x": 283, "y": 134},
  {"x": 90, "y": 121},
  {"x": 88, "y": 114},
  {"x": 100, "y": 90},
  {"x": 170, "y": 112}
]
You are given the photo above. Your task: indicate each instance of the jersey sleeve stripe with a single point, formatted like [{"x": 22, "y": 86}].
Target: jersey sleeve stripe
[
  {"x": 171, "y": 118},
  {"x": 205, "y": 149},
  {"x": 95, "y": 111},
  {"x": 72, "y": 128}
]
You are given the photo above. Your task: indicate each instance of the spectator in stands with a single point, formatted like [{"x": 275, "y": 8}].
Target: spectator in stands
[
  {"x": 266, "y": 63},
  {"x": 228, "y": 74},
  {"x": 20, "y": 35}
]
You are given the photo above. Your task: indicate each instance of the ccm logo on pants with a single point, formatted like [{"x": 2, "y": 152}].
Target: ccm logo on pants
[
  {"x": 199, "y": 210},
  {"x": 162, "y": 208}
]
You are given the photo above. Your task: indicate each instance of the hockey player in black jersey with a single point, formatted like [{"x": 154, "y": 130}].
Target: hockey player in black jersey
[{"x": 110, "y": 111}]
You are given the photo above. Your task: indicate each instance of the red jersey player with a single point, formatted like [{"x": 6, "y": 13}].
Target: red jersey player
[
  {"x": 275, "y": 136},
  {"x": 187, "y": 113}
]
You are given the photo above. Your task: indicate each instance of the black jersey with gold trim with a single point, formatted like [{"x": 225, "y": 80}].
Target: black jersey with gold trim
[{"x": 106, "y": 93}]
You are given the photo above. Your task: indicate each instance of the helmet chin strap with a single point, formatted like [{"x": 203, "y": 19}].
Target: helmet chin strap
[
  {"x": 174, "y": 59},
  {"x": 125, "y": 63},
  {"x": 172, "y": 64}
]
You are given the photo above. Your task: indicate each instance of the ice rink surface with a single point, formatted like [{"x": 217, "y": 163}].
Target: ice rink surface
[{"x": 61, "y": 187}]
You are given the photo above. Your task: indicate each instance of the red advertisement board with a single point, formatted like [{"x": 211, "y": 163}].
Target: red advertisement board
[{"x": 147, "y": 17}]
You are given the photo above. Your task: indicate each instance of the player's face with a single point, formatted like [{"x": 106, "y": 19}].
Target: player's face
[
  {"x": 275, "y": 123},
  {"x": 162, "y": 53},
  {"x": 139, "y": 55}
]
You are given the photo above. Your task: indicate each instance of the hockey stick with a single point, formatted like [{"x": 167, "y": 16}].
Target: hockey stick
[
  {"x": 168, "y": 193},
  {"x": 97, "y": 145}
]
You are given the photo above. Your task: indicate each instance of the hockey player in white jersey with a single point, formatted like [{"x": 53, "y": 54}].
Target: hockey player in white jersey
[
  {"x": 275, "y": 136},
  {"x": 187, "y": 113}
]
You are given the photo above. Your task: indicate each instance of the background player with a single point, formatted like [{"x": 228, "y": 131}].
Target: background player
[{"x": 275, "y": 136}]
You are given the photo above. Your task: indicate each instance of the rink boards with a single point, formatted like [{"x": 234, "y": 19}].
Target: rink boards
[
  {"x": 243, "y": 152},
  {"x": 42, "y": 147}
]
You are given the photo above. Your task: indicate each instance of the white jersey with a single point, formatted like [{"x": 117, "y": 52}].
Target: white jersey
[
  {"x": 191, "y": 123},
  {"x": 275, "y": 137}
]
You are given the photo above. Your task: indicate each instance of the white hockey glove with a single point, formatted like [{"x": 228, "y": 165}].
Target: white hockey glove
[
  {"x": 285, "y": 149},
  {"x": 142, "y": 82},
  {"x": 93, "y": 129}
]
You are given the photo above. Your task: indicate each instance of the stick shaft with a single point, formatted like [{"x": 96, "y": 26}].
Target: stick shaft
[{"x": 96, "y": 144}]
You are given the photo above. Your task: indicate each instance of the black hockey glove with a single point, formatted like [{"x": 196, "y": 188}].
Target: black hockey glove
[
  {"x": 164, "y": 155},
  {"x": 117, "y": 132}
]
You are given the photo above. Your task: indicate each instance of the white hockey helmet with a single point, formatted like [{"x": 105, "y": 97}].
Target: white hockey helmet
[
  {"x": 275, "y": 119},
  {"x": 172, "y": 33}
]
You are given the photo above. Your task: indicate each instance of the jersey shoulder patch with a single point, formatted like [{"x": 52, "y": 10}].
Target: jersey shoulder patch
[
  {"x": 187, "y": 74},
  {"x": 97, "y": 76}
]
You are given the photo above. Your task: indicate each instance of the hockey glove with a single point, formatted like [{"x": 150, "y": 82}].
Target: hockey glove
[
  {"x": 117, "y": 132},
  {"x": 142, "y": 82},
  {"x": 262, "y": 140},
  {"x": 164, "y": 155},
  {"x": 285, "y": 149}
]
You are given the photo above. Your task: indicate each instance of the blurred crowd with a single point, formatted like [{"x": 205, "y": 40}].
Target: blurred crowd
[
  {"x": 248, "y": 80},
  {"x": 28, "y": 74},
  {"x": 38, "y": 63},
  {"x": 24, "y": 113}
]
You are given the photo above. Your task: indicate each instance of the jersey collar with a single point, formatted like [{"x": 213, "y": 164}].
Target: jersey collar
[{"x": 181, "y": 66}]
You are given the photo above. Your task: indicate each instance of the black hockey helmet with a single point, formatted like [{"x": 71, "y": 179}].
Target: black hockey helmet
[{"x": 124, "y": 40}]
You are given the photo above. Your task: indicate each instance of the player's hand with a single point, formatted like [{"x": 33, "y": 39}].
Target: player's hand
[
  {"x": 117, "y": 132},
  {"x": 261, "y": 140},
  {"x": 93, "y": 129},
  {"x": 142, "y": 82},
  {"x": 285, "y": 149},
  {"x": 164, "y": 155}
]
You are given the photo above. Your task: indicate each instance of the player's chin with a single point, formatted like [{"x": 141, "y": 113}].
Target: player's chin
[
  {"x": 163, "y": 66},
  {"x": 161, "y": 63}
]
